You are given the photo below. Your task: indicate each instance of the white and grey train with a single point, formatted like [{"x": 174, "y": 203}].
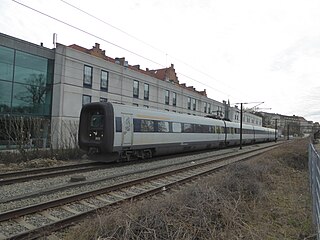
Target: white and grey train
[{"x": 121, "y": 132}]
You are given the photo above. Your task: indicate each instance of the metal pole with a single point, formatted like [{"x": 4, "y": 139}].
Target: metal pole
[
  {"x": 288, "y": 131},
  {"x": 275, "y": 132},
  {"x": 241, "y": 126}
]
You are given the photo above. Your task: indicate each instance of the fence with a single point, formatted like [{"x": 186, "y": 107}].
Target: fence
[{"x": 314, "y": 170}]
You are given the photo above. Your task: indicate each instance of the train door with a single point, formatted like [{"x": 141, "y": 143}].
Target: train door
[{"x": 127, "y": 129}]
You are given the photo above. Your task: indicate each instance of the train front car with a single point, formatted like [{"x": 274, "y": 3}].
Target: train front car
[{"x": 96, "y": 131}]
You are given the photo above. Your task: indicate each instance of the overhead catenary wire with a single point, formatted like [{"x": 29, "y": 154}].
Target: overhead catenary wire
[
  {"x": 153, "y": 47},
  {"x": 113, "y": 44},
  {"x": 88, "y": 33}
]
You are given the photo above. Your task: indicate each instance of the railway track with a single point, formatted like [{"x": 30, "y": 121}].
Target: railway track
[
  {"x": 39, "y": 220},
  {"x": 40, "y": 173}
]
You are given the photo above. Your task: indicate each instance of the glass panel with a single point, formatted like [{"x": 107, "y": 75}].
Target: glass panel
[
  {"x": 31, "y": 99},
  {"x": 167, "y": 97},
  {"x": 30, "y": 61},
  {"x": 146, "y": 91},
  {"x": 5, "y": 96},
  {"x": 147, "y": 125},
  {"x": 104, "y": 80},
  {"x": 6, "y": 63},
  {"x": 188, "y": 128},
  {"x": 176, "y": 127},
  {"x": 86, "y": 99},
  {"x": 27, "y": 132},
  {"x": 97, "y": 121},
  {"x": 118, "y": 124},
  {"x": 29, "y": 76},
  {"x": 193, "y": 104},
  {"x": 87, "y": 76},
  {"x": 189, "y": 103},
  {"x": 163, "y": 126},
  {"x": 135, "y": 89},
  {"x": 174, "y": 99}
]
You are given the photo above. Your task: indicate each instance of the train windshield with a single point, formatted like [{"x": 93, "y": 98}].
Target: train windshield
[{"x": 96, "y": 121}]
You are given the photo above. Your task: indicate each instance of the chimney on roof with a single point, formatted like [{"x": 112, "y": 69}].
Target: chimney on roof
[
  {"x": 136, "y": 66},
  {"x": 172, "y": 66},
  {"x": 120, "y": 61},
  {"x": 97, "y": 45},
  {"x": 147, "y": 69}
]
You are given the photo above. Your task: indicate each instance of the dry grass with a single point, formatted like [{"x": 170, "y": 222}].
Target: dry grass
[{"x": 264, "y": 198}]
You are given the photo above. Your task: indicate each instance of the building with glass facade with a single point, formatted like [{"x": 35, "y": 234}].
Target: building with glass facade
[{"x": 26, "y": 78}]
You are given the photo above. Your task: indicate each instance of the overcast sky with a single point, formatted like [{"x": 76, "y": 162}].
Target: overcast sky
[{"x": 242, "y": 50}]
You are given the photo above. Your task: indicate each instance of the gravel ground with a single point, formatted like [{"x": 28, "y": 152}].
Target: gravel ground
[{"x": 43, "y": 184}]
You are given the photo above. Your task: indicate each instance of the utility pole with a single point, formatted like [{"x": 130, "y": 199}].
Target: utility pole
[
  {"x": 241, "y": 104},
  {"x": 275, "y": 132},
  {"x": 241, "y": 113}
]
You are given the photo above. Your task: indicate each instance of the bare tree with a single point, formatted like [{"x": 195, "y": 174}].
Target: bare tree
[{"x": 36, "y": 89}]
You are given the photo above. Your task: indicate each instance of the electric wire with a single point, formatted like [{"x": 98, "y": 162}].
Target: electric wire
[
  {"x": 113, "y": 44},
  {"x": 153, "y": 47}
]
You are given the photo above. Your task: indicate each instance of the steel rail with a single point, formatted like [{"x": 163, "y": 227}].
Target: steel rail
[{"x": 52, "y": 172}]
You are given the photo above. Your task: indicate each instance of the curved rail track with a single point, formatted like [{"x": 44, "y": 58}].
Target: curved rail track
[{"x": 63, "y": 212}]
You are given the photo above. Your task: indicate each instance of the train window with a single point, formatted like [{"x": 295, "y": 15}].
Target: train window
[
  {"x": 201, "y": 128},
  {"x": 143, "y": 125},
  {"x": 213, "y": 129},
  {"x": 218, "y": 129},
  {"x": 176, "y": 127},
  {"x": 137, "y": 125},
  {"x": 163, "y": 126},
  {"x": 187, "y": 128},
  {"x": 197, "y": 128},
  {"x": 118, "y": 124},
  {"x": 147, "y": 125},
  {"x": 96, "y": 121},
  {"x": 205, "y": 128}
]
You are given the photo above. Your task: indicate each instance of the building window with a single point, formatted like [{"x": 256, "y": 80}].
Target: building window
[
  {"x": 166, "y": 97},
  {"x": 32, "y": 89},
  {"x": 104, "y": 80},
  {"x": 145, "y": 106},
  {"x": 87, "y": 76},
  {"x": 189, "y": 103},
  {"x": 86, "y": 99},
  {"x": 146, "y": 91},
  {"x": 135, "y": 89},
  {"x": 102, "y": 99},
  {"x": 194, "y": 104},
  {"x": 135, "y": 104},
  {"x": 6, "y": 63},
  {"x": 209, "y": 108},
  {"x": 174, "y": 99},
  {"x": 205, "y": 107}
]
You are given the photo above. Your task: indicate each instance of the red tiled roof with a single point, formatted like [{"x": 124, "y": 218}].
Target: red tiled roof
[{"x": 165, "y": 74}]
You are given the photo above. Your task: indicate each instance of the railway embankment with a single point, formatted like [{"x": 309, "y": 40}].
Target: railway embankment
[{"x": 266, "y": 197}]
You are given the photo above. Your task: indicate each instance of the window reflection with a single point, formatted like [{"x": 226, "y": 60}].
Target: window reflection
[
  {"x": 25, "y": 89},
  {"x": 6, "y": 63},
  {"x": 31, "y": 99},
  {"x": 5, "y": 96}
]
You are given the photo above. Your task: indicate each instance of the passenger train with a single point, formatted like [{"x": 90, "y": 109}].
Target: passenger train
[{"x": 121, "y": 133}]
